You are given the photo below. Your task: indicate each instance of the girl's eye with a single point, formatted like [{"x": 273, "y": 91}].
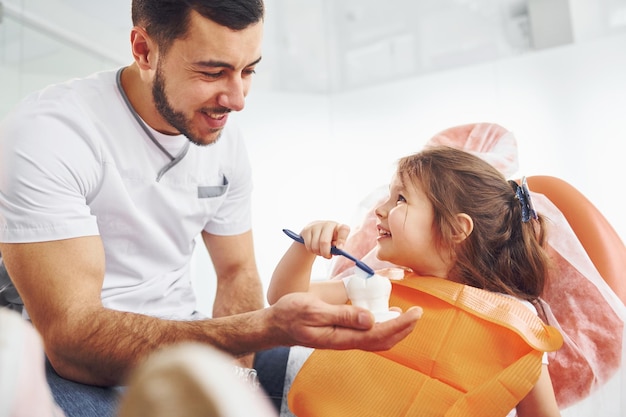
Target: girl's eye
[{"x": 400, "y": 199}]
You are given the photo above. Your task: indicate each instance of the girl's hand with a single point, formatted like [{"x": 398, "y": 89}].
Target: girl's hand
[{"x": 320, "y": 235}]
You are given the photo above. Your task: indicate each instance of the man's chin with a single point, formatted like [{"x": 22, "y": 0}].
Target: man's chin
[{"x": 206, "y": 140}]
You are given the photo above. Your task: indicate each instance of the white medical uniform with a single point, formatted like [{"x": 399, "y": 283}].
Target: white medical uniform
[{"x": 74, "y": 161}]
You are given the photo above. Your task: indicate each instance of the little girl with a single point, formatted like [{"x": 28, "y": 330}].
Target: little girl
[{"x": 471, "y": 246}]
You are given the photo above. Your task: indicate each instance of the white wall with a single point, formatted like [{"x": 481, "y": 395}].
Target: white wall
[{"x": 316, "y": 157}]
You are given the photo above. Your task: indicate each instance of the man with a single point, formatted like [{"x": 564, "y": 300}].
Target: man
[{"x": 102, "y": 196}]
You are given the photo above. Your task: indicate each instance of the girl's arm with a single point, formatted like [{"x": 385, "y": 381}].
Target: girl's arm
[
  {"x": 540, "y": 401},
  {"x": 293, "y": 272}
]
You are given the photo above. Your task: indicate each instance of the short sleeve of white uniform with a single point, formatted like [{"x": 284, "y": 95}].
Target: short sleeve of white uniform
[{"x": 56, "y": 184}]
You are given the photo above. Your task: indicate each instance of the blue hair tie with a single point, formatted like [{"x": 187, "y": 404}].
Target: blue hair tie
[{"x": 523, "y": 195}]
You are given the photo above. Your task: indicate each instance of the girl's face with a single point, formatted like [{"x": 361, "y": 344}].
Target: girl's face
[{"x": 406, "y": 234}]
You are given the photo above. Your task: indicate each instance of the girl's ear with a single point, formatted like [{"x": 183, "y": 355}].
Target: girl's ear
[{"x": 465, "y": 226}]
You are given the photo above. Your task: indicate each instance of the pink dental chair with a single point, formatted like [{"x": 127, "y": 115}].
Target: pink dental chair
[{"x": 603, "y": 245}]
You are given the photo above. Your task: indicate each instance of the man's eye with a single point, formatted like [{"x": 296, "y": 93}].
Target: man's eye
[
  {"x": 250, "y": 71},
  {"x": 213, "y": 74}
]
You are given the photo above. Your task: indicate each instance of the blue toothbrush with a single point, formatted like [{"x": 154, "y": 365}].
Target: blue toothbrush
[{"x": 335, "y": 251}]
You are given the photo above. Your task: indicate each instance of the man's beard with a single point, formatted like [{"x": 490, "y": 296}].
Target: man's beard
[{"x": 175, "y": 118}]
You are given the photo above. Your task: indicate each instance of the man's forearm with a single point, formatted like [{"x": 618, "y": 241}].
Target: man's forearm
[
  {"x": 241, "y": 294},
  {"x": 107, "y": 344},
  {"x": 238, "y": 295}
]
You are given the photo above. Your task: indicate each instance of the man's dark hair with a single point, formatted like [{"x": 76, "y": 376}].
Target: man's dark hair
[{"x": 168, "y": 20}]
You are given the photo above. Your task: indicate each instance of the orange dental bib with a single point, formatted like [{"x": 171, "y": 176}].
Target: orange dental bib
[{"x": 473, "y": 353}]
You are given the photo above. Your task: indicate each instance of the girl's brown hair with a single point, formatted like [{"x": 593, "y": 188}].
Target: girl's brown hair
[{"x": 503, "y": 253}]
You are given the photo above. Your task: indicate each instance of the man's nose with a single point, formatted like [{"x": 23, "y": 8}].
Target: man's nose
[{"x": 234, "y": 95}]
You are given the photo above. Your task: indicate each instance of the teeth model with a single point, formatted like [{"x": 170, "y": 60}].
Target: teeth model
[{"x": 371, "y": 292}]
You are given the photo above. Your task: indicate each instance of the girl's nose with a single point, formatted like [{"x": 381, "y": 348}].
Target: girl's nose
[{"x": 379, "y": 211}]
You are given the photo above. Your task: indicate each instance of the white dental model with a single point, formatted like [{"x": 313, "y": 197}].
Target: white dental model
[{"x": 372, "y": 293}]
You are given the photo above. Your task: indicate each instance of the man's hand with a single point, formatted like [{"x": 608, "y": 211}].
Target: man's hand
[{"x": 303, "y": 319}]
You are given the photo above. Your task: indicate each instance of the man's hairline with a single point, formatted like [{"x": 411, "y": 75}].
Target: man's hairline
[{"x": 164, "y": 49}]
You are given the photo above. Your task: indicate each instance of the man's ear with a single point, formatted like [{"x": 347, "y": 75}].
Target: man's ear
[
  {"x": 465, "y": 226},
  {"x": 143, "y": 48}
]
